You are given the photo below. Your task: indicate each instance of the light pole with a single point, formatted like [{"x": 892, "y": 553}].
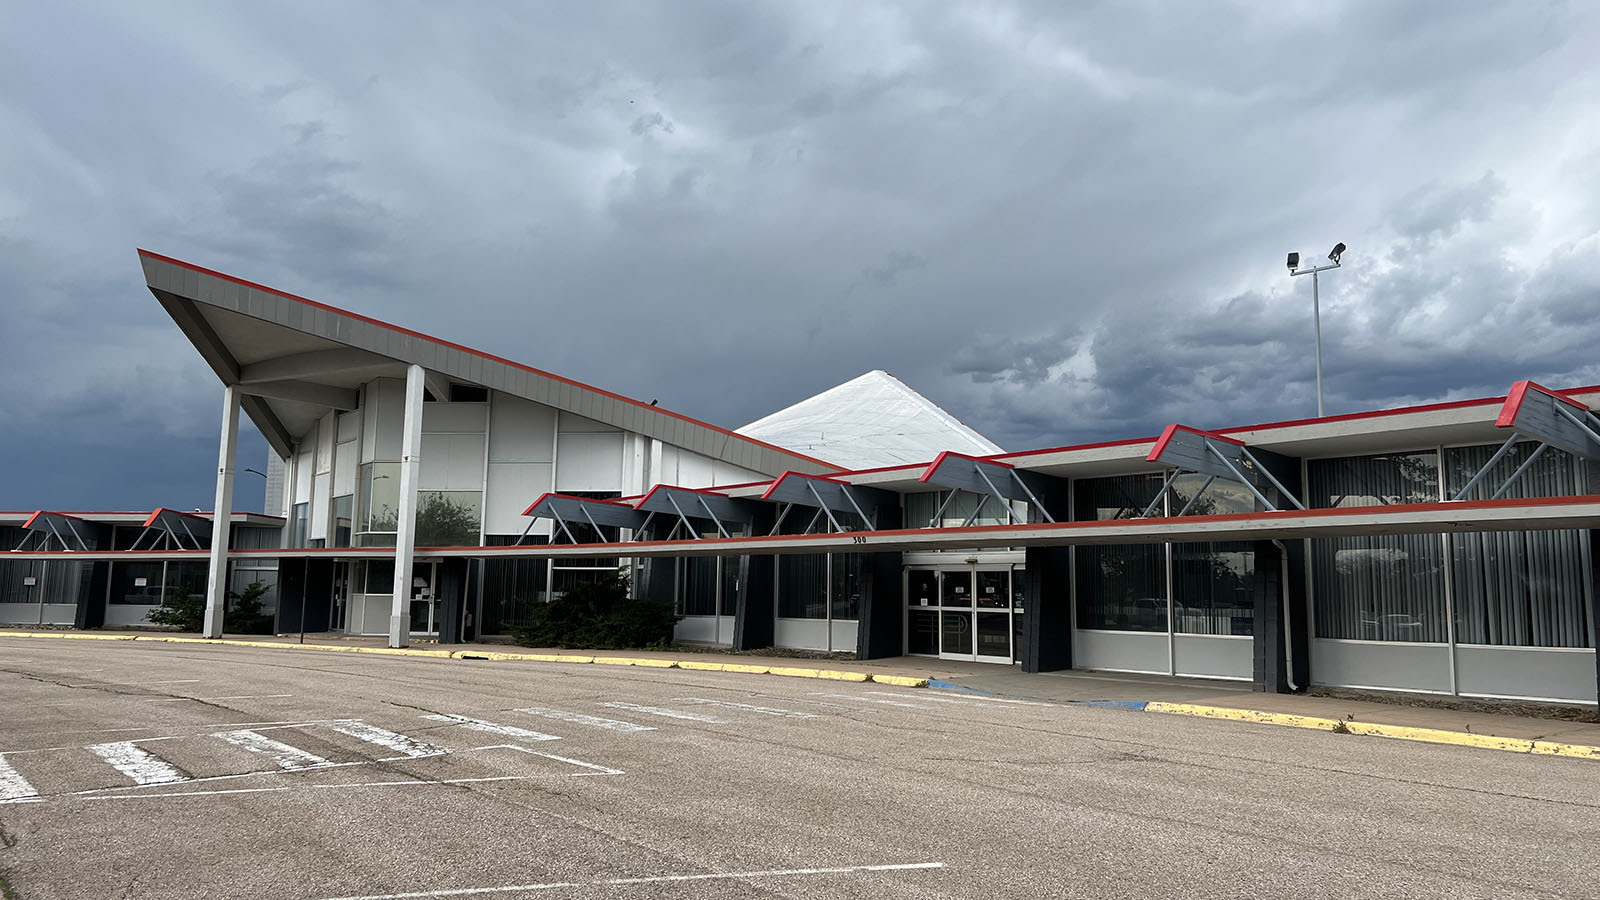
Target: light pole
[{"x": 1316, "y": 304}]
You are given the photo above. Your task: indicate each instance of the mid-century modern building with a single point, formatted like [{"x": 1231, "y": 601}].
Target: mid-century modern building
[{"x": 429, "y": 491}]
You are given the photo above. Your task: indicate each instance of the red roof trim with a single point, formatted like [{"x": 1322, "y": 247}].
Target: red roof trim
[
  {"x": 156, "y": 514},
  {"x": 478, "y": 353},
  {"x": 1519, "y": 393},
  {"x": 939, "y": 461},
  {"x": 1171, "y": 430},
  {"x": 767, "y": 494},
  {"x": 548, "y": 494},
  {"x": 1098, "y": 445},
  {"x": 673, "y": 487}
]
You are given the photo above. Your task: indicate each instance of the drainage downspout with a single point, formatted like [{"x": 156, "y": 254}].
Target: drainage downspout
[{"x": 1288, "y": 633}]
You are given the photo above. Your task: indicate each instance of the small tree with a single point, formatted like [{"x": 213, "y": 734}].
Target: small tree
[
  {"x": 246, "y": 616},
  {"x": 599, "y": 615},
  {"x": 182, "y": 607}
]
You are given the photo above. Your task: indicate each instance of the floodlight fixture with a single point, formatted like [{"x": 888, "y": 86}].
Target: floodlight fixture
[{"x": 1316, "y": 303}]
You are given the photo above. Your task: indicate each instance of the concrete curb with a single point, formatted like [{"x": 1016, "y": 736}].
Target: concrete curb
[
  {"x": 1396, "y": 732},
  {"x": 643, "y": 662}
]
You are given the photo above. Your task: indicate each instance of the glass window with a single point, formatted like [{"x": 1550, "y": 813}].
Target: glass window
[
  {"x": 1213, "y": 588},
  {"x": 731, "y": 566},
  {"x": 240, "y": 579},
  {"x": 803, "y": 586},
  {"x": 343, "y": 520},
  {"x": 1519, "y": 588},
  {"x": 299, "y": 523},
  {"x": 1387, "y": 587},
  {"x": 1121, "y": 587},
  {"x": 136, "y": 583},
  {"x": 845, "y": 582},
  {"x": 697, "y": 581},
  {"x": 449, "y": 518},
  {"x": 14, "y": 577},
  {"x": 380, "y": 497},
  {"x": 380, "y": 576},
  {"x": 511, "y": 587}
]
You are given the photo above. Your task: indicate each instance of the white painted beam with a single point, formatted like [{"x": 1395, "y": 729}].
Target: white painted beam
[
  {"x": 303, "y": 392},
  {"x": 316, "y": 362}
]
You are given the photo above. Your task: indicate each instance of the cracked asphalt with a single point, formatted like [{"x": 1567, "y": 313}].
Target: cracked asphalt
[{"x": 168, "y": 771}]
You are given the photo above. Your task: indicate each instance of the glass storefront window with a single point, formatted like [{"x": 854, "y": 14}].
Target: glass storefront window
[
  {"x": 449, "y": 518},
  {"x": 1121, "y": 587},
  {"x": 299, "y": 524},
  {"x": 380, "y": 497},
  {"x": 343, "y": 520},
  {"x": 1381, "y": 588}
]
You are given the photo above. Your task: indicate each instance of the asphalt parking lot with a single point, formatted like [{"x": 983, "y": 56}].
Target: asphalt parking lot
[{"x": 166, "y": 771}]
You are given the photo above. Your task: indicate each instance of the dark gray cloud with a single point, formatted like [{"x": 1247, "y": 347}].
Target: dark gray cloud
[{"x": 1062, "y": 221}]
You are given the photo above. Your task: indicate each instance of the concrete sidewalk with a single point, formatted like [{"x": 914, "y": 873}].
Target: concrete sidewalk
[{"x": 1191, "y": 696}]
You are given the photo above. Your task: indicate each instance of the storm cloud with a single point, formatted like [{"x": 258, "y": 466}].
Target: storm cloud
[{"x": 1063, "y": 222}]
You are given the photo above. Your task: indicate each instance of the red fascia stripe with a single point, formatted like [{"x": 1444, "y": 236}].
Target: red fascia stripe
[
  {"x": 939, "y": 461},
  {"x": 162, "y": 509},
  {"x": 1519, "y": 393},
  {"x": 548, "y": 494},
  {"x": 1171, "y": 430},
  {"x": 767, "y": 495},
  {"x": 478, "y": 353},
  {"x": 672, "y": 487}
]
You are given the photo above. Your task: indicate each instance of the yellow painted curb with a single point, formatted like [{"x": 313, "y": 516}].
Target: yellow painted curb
[
  {"x": 819, "y": 673},
  {"x": 901, "y": 680},
  {"x": 635, "y": 661},
  {"x": 1396, "y": 732}
]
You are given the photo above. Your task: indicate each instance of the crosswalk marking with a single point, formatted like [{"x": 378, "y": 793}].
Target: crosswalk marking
[
  {"x": 581, "y": 719},
  {"x": 389, "y": 740},
  {"x": 665, "y": 713},
  {"x": 766, "y": 710},
  {"x": 874, "y": 700},
  {"x": 493, "y": 727},
  {"x": 13, "y": 787},
  {"x": 137, "y": 763},
  {"x": 287, "y": 757}
]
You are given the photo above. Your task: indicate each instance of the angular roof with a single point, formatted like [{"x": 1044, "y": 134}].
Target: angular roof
[
  {"x": 294, "y": 359},
  {"x": 869, "y": 421}
]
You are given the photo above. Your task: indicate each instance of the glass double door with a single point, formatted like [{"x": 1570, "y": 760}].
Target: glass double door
[{"x": 965, "y": 612}]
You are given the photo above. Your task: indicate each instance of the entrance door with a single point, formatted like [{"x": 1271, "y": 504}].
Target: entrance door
[
  {"x": 340, "y": 596},
  {"x": 960, "y": 612},
  {"x": 424, "y": 598}
]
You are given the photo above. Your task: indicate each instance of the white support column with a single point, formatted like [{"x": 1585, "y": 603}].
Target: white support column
[
  {"x": 221, "y": 513},
  {"x": 406, "y": 531}
]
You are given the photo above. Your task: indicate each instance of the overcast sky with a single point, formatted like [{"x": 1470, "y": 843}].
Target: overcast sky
[{"x": 1061, "y": 222}]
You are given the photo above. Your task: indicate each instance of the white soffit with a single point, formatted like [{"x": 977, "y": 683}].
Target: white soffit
[{"x": 870, "y": 421}]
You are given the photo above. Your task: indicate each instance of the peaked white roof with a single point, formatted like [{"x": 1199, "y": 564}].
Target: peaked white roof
[{"x": 870, "y": 421}]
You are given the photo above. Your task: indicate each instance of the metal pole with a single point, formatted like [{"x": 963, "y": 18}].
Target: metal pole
[
  {"x": 1316, "y": 314},
  {"x": 305, "y": 587}
]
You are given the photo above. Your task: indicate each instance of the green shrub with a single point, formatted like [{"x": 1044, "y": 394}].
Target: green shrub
[
  {"x": 598, "y": 615},
  {"x": 184, "y": 608}
]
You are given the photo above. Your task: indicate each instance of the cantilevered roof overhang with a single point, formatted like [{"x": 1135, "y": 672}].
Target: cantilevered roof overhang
[
  {"x": 1540, "y": 514},
  {"x": 294, "y": 359}
]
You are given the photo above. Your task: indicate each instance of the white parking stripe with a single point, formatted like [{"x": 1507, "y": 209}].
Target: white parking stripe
[
  {"x": 287, "y": 757},
  {"x": 13, "y": 787},
  {"x": 387, "y": 739},
  {"x": 665, "y": 713},
  {"x": 137, "y": 763},
  {"x": 767, "y": 710},
  {"x": 874, "y": 700},
  {"x": 494, "y": 728},
  {"x": 646, "y": 879},
  {"x": 581, "y": 719}
]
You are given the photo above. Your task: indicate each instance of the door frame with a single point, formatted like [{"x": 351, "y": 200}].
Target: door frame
[{"x": 971, "y": 570}]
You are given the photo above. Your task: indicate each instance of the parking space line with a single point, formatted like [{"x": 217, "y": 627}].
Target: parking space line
[
  {"x": 134, "y": 683},
  {"x": 209, "y": 699},
  {"x": 648, "y": 879},
  {"x": 389, "y": 740},
  {"x": 748, "y": 707},
  {"x": 288, "y": 758},
  {"x": 13, "y": 787},
  {"x": 581, "y": 719},
  {"x": 137, "y": 763},
  {"x": 664, "y": 713},
  {"x": 493, "y": 727}
]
